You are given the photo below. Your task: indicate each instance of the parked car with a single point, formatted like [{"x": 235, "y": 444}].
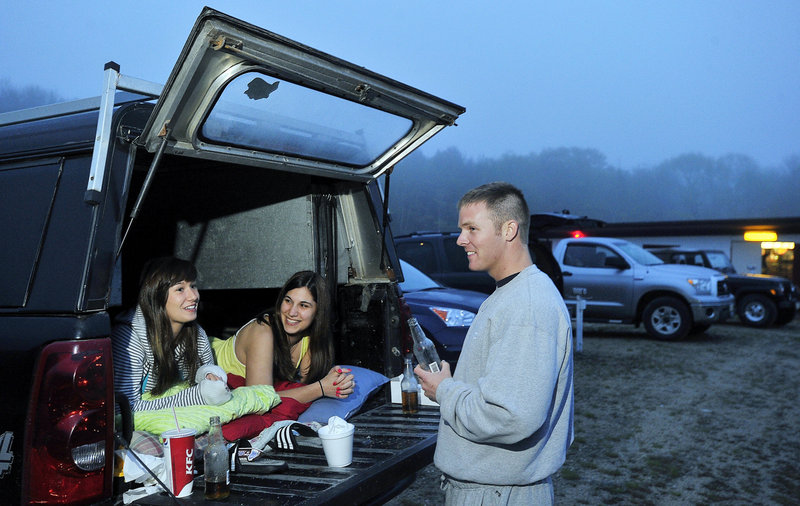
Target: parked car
[
  {"x": 439, "y": 256},
  {"x": 252, "y": 182},
  {"x": 622, "y": 282},
  {"x": 761, "y": 300},
  {"x": 445, "y": 314}
]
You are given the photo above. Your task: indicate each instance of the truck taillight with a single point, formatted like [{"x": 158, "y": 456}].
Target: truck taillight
[{"x": 70, "y": 424}]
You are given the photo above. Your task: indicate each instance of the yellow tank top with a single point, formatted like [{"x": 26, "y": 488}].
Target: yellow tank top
[
  {"x": 303, "y": 349},
  {"x": 225, "y": 353}
]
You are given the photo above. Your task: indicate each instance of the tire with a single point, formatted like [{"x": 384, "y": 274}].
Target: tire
[
  {"x": 756, "y": 310},
  {"x": 667, "y": 319}
]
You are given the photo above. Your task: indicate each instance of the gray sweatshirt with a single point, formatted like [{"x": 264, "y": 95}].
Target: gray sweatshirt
[{"x": 507, "y": 414}]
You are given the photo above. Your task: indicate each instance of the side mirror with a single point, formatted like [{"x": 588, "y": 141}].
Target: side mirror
[{"x": 616, "y": 263}]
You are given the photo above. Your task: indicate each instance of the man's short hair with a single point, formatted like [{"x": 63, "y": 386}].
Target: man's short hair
[{"x": 504, "y": 202}]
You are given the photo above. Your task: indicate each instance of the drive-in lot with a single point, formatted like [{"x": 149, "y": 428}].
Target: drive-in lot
[{"x": 708, "y": 420}]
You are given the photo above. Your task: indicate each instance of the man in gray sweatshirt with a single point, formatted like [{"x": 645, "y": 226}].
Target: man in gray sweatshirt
[{"x": 507, "y": 412}]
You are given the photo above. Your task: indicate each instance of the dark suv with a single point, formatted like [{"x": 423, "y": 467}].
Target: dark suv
[
  {"x": 437, "y": 254},
  {"x": 761, "y": 300}
]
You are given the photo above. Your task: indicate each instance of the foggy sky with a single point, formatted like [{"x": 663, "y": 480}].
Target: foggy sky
[{"x": 640, "y": 81}]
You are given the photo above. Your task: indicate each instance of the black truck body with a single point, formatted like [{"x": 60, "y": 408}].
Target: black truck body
[
  {"x": 236, "y": 165},
  {"x": 762, "y": 300}
]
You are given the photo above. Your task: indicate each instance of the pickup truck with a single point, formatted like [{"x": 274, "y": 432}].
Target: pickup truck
[
  {"x": 259, "y": 157},
  {"x": 761, "y": 300},
  {"x": 620, "y": 282}
]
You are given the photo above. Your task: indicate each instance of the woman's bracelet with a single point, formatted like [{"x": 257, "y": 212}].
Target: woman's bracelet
[{"x": 320, "y": 388}]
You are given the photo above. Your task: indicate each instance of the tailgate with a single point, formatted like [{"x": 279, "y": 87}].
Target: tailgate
[{"x": 388, "y": 448}]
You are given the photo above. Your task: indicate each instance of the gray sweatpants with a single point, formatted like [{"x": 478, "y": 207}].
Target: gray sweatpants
[{"x": 461, "y": 493}]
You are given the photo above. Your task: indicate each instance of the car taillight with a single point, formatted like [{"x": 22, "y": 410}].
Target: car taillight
[
  {"x": 70, "y": 424},
  {"x": 407, "y": 340}
]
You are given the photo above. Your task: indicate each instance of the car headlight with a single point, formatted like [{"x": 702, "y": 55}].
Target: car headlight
[
  {"x": 701, "y": 285},
  {"x": 453, "y": 317}
]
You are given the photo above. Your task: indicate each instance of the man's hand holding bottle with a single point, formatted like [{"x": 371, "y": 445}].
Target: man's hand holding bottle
[{"x": 430, "y": 380}]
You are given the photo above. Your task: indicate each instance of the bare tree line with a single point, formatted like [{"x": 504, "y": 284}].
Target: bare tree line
[
  {"x": 13, "y": 97},
  {"x": 425, "y": 190}
]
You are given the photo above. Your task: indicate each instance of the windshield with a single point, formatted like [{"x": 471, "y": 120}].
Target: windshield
[
  {"x": 261, "y": 112},
  {"x": 720, "y": 262},
  {"x": 639, "y": 254},
  {"x": 415, "y": 279}
]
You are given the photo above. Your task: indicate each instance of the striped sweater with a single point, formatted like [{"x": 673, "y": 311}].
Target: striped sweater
[{"x": 134, "y": 364}]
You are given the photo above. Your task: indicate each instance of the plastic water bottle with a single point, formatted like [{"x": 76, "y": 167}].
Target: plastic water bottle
[
  {"x": 409, "y": 390},
  {"x": 215, "y": 463},
  {"x": 424, "y": 349}
]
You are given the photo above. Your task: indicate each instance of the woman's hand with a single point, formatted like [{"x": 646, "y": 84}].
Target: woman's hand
[
  {"x": 213, "y": 384},
  {"x": 338, "y": 383},
  {"x": 211, "y": 372}
]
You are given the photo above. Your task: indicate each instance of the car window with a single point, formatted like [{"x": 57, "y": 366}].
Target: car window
[
  {"x": 415, "y": 280},
  {"x": 639, "y": 254},
  {"x": 588, "y": 255},
  {"x": 697, "y": 259},
  {"x": 601, "y": 254},
  {"x": 720, "y": 261},
  {"x": 273, "y": 115},
  {"x": 29, "y": 193},
  {"x": 572, "y": 255},
  {"x": 418, "y": 253},
  {"x": 456, "y": 256},
  {"x": 579, "y": 255}
]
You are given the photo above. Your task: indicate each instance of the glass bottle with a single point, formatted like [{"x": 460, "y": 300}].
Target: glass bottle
[
  {"x": 215, "y": 463},
  {"x": 409, "y": 390},
  {"x": 424, "y": 349}
]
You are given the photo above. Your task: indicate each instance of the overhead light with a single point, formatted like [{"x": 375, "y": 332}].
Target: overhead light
[{"x": 760, "y": 235}]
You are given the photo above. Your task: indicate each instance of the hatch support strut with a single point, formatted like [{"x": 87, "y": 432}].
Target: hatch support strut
[{"x": 145, "y": 187}]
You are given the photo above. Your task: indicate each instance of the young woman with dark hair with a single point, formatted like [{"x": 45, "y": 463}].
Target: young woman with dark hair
[
  {"x": 292, "y": 344},
  {"x": 159, "y": 344}
]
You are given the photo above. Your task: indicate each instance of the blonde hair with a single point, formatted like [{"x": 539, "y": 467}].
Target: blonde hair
[{"x": 505, "y": 202}]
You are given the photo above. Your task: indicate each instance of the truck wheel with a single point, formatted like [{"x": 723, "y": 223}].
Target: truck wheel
[
  {"x": 667, "y": 319},
  {"x": 757, "y": 311}
]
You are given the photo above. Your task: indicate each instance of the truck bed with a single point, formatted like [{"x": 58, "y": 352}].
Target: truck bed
[{"x": 388, "y": 448}]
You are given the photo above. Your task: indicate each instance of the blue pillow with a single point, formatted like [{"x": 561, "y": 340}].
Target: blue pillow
[{"x": 367, "y": 381}]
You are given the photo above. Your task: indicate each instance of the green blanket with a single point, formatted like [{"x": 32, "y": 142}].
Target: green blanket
[{"x": 246, "y": 400}]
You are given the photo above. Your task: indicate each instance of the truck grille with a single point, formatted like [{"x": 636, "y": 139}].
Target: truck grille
[{"x": 790, "y": 289}]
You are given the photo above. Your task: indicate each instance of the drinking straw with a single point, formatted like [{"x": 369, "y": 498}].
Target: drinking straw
[{"x": 175, "y": 415}]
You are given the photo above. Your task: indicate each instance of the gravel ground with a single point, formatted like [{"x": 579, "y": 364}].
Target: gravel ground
[{"x": 713, "y": 419}]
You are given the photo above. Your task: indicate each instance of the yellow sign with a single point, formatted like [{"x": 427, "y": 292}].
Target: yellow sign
[{"x": 760, "y": 235}]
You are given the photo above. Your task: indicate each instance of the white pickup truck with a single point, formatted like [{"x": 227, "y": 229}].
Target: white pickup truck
[{"x": 623, "y": 283}]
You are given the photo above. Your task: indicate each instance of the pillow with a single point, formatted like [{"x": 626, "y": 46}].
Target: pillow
[
  {"x": 245, "y": 400},
  {"x": 367, "y": 381}
]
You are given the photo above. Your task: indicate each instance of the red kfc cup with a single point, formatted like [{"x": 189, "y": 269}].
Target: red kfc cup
[{"x": 179, "y": 455}]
